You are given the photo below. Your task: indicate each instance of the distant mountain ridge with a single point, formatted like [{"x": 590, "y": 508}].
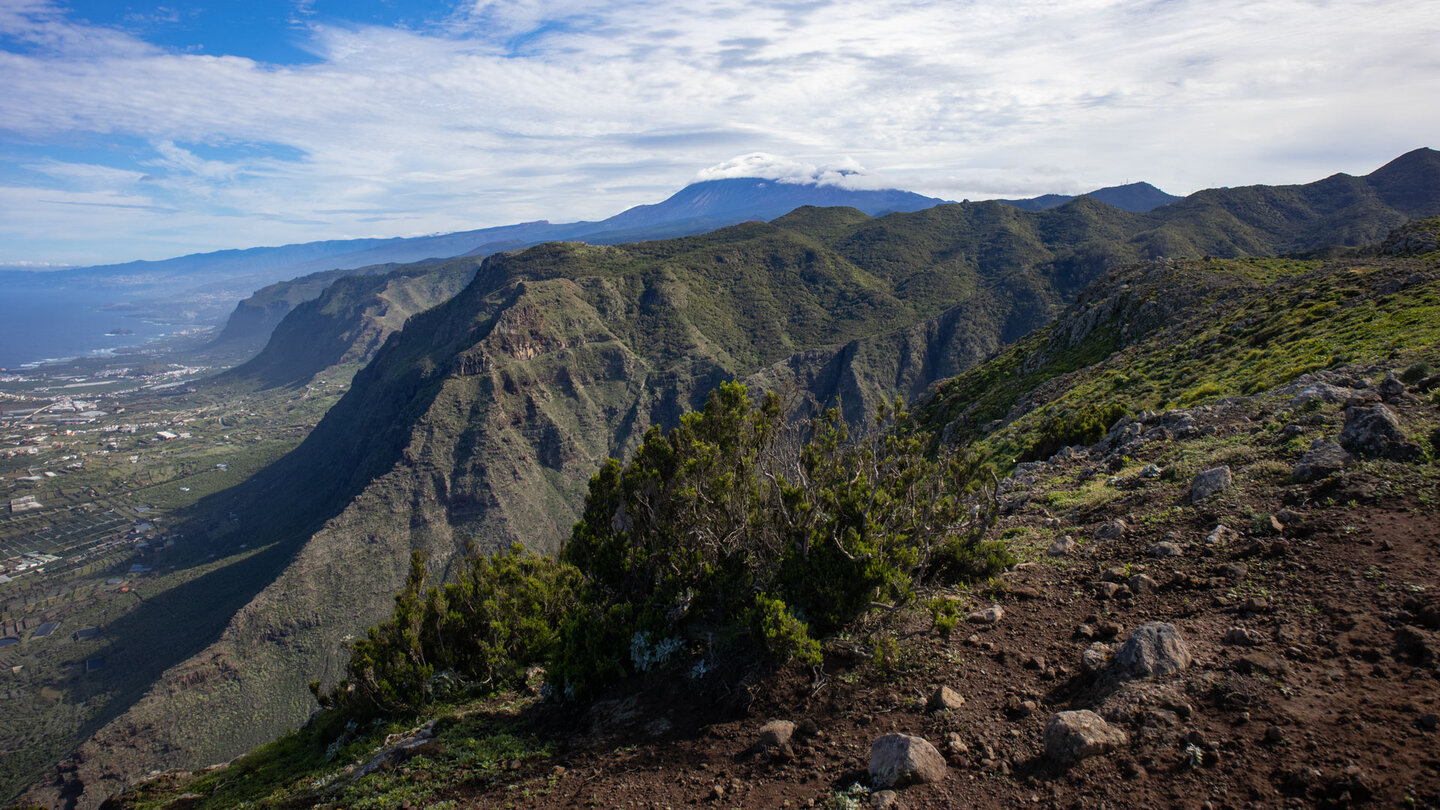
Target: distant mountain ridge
[
  {"x": 698, "y": 208},
  {"x": 1136, "y": 198}
]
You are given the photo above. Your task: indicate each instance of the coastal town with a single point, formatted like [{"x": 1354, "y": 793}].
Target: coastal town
[{"x": 105, "y": 465}]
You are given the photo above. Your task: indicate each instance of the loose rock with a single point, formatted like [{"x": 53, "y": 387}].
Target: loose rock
[
  {"x": 944, "y": 698},
  {"x": 1209, "y": 483},
  {"x": 1375, "y": 432},
  {"x": 897, "y": 760},
  {"x": 1166, "y": 549},
  {"x": 1062, "y": 546},
  {"x": 1155, "y": 648},
  {"x": 774, "y": 734},
  {"x": 1323, "y": 459},
  {"x": 1076, "y": 735},
  {"x": 989, "y": 615}
]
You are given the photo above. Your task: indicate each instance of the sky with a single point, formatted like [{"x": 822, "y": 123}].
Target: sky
[{"x": 145, "y": 131}]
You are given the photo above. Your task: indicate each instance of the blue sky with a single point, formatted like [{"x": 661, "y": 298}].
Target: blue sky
[{"x": 138, "y": 130}]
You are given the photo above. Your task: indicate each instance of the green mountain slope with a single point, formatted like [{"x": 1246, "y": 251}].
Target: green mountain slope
[
  {"x": 346, "y": 322},
  {"x": 483, "y": 418},
  {"x": 1263, "y": 355}
]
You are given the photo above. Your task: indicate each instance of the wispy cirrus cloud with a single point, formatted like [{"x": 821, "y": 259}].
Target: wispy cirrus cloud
[{"x": 498, "y": 112}]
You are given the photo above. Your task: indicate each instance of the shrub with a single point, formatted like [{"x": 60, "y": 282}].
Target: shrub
[
  {"x": 1416, "y": 372},
  {"x": 481, "y": 632},
  {"x": 735, "y": 533},
  {"x": 1082, "y": 426}
]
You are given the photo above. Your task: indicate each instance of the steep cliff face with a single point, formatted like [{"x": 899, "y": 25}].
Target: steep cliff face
[{"x": 483, "y": 418}]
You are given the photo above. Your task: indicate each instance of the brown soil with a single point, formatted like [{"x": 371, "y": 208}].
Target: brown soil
[{"x": 1334, "y": 706}]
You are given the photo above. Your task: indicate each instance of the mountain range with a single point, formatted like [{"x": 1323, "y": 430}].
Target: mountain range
[{"x": 480, "y": 420}]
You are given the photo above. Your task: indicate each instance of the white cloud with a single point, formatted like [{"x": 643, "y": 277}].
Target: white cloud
[
  {"x": 847, "y": 173},
  {"x": 510, "y": 111}
]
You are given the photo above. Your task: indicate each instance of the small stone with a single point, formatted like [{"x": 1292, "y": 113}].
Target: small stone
[
  {"x": 1242, "y": 637},
  {"x": 1323, "y": 459},
  {"x": 1210, "y": 483},
  {"x": 1166, "y": 549},
  {"x": 1062, "y": 546},
  {"x": 1429, "y": 721},
  {"x": 1274, "y": 735},
  {"x": 989, "y": 615},
  {"x": 943, "y": 699},
  {"x": 1256, "y": 604},
  {"x": 1262, "y": 663},
  {"x": 1034, "y": 662},
  {"x": 717, "y": 792},
  {"x": 1076, "y": 735},
  {"x": 1141, "y": 583},
  {"x": 1095, "y": 657},
  {"x": 1376, "y": 432},
  {"x": 774, "y": 734},
  {"x": 1234, "y": 571},
  {"x": 897, "y": 760},
  {"x": 1114, "y": 530},
  {"x": 972, "y": 640}
]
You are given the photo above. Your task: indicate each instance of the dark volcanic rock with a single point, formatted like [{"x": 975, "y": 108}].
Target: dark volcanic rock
[
  {"x": 1209, "y": 483},
  {"x": 1324, "y": 458},
  {"x": 1153, "y": 649},
  {"x": 1375, "y": 432}
]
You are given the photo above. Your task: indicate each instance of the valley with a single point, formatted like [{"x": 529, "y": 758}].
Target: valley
[{"x": 235, "y": 521}]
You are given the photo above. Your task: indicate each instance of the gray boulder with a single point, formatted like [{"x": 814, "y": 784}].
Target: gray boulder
[
  {"x": 897, "y": 760},
  {"x": 1073, "y": 736},
  {"x": 1155, "y": 648},
  {"x": 1375, "y": 432},
  {"x": 1209, "y": 483},
  {"x": 1323, "y": 459},
  {"x": 1391, "y": 389}
]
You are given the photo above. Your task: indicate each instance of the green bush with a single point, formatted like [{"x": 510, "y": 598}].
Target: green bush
[
  {"x": 1083, "y": 426},
  {"x": 481, "y": 632},
  {"x": 1416, "y": 372},
  {"x": 735, "y": 536},
  {"x": 734, "y": 533}
]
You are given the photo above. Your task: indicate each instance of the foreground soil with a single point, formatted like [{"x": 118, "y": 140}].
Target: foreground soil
[
  {"x": 1310, "y": 613},
  {"x": 1329, "y": 698}
]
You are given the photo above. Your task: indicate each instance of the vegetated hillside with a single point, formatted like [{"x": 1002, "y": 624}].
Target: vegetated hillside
[
  {"x": 257, "y": 316},
  {"x": 347, "y": 322},
  {"x": 1228, "y": 601},
  {"x": 481, "y": 421},
  {"x": 695, "y": 209}
]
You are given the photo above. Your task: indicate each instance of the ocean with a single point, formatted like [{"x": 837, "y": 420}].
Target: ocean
[{"x": 38, "y": 323}]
